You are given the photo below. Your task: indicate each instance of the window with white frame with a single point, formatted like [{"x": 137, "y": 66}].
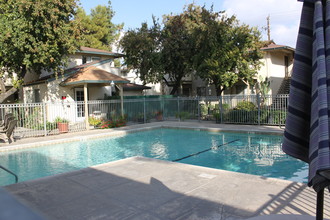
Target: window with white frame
[
  {"x": 28, "y": 95},
  {"x": 88, "y": 59}
]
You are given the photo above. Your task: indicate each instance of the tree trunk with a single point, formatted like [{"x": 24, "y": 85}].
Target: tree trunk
[
  {"x": 176, "y": 88},
  {"x": 248, "y": 86},
  {"x": 218, "y": 90},
  {"x": 165, "y": 80},
  {"x": 4, "y": 96}
]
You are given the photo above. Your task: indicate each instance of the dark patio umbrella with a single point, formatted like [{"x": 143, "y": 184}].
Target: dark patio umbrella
[{"x": 307, "y": 131}]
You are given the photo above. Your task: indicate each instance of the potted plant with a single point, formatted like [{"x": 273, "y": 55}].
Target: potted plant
[{"x": 62, "y": 124}]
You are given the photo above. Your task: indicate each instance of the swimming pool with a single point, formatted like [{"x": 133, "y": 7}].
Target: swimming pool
[{"x": 250, "y": 153}]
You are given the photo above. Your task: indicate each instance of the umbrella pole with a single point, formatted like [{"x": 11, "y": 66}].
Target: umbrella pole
[{"x": 319, "y": 205}]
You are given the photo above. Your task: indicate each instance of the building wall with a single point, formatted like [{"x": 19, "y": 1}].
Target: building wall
[
  {"x": 74, "y": 60},
  {"x": 77, "y": 59},
  {"x": 99, "y": 92},
  {"x": 274, "y": 68},
  {"x": 49, "y": 92},
  {"x": 156, "y": 88}
]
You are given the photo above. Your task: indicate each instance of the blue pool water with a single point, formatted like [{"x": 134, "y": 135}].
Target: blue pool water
[{"x": 247, "y": 153}]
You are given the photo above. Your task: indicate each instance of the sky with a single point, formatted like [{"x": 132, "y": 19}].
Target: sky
[{"x": 284, "y": 14}]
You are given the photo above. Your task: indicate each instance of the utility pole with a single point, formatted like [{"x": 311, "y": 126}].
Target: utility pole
[{"x": 268, "y": 27}]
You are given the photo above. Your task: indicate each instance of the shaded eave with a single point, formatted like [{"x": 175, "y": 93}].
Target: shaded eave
[
  {"x": 36, "y": 82},
  {"x": 81, "y": 82},
  {"x": 115, "y": 55},
  {"x": 278, "y": 48},
  {"x": 93, "y": 51},
  {"x": 134, "y": 87}
]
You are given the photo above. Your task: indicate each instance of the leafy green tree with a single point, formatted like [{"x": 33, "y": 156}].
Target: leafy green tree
[
  {"x": 163, "y": 52},
  {"x": 142, "y": 49},
  {"x": 177, "y": 49},
  {"x": 35, "y": 35},
  {"x": 98, "y": 30},
  {"x": 263, "y": 88},
  {"x": 195, "y": 42},
  {"x": 227, "y": 51}
]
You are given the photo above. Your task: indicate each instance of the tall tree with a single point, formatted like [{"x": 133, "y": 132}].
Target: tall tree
[
  {"x": 216, "y": 47},
  {"x": 35, "y": 35},
  {"x": 227, "y": 51},
  {"x": 141, "y": 47},
  {"x": 163, "y": 52},
  {"x": 177, "y": 49},
  {"x": 98, "y": 30}
]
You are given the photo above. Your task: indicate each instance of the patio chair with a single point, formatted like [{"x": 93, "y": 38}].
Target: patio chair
[
  {"x": 6, "y": 123},
  {"x": 5, "y": 119},
  {"x": 7, "y": 135}
]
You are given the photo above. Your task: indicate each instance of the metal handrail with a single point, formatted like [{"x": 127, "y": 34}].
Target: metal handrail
[{"x": 8, "y": 171}]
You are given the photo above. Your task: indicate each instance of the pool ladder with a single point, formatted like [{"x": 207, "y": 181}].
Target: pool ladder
[{"x": 8, "y": 171}]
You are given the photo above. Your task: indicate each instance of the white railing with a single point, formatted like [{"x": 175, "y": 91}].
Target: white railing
[{"x": 39, "y": 119}]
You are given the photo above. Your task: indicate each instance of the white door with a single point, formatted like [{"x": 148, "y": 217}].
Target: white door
[{"x": 79, "y": 97}]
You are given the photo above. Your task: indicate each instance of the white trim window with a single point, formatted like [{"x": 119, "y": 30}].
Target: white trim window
[
  {"x": 79, "y": 96},
  {"x": 88, "y": 59}
]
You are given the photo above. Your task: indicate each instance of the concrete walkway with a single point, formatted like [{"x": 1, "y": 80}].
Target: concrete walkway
[{"x": 144, "y": 188}]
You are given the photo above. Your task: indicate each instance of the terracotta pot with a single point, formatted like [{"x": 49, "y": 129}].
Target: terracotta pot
[{"x": 63, "y": 127}]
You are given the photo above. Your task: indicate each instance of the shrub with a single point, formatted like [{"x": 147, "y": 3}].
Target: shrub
[
  {"x": 94, "y": 121},
  {"x": 216, "y": 115},
  {"x": 49, "y": 126},
  {"x": 114, "y": 123},
  {"x": 225, "y": 107},
  {"x": 182, "y": 115},
  {"x": 278, "y": 117},
  {"x": 246, "y": 105},
  {"x": 264, "y": 116},
  {"x": 205, "y": 108},
  {"x": 242, "y": 116}
]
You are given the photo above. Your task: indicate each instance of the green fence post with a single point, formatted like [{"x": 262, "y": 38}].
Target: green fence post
[
  {"x": 144, "y": 111},
  {"x": 198, "y": 109},
  {"x": 220, "y": 109},
  {"x": 163, "y": 107},
  {"x": 259, "y": 110},
  {"x": 178, "y": 109}
]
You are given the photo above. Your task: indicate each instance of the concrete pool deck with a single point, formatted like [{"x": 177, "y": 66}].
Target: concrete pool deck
[{"x": 144, "y": 188}]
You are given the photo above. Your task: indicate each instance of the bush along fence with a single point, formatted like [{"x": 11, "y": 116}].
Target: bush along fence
[{"x": 42, "y": 119}]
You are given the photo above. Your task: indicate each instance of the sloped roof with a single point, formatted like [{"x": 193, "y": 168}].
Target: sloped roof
[
  {"x": 89, "y": 50},
  {"x": 134, "y": 87},
  {"x": 66, "y": 73},
  {"x": 92, "y": 74},
  {"x": 273, "y": 46}
]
